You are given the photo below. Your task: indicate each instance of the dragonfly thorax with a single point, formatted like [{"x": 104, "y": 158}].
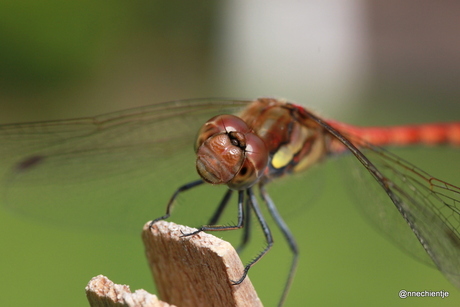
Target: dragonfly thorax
[{"x": 293, "y": 140}]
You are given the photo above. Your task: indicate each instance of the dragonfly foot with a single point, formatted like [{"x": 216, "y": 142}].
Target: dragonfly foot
[{"x": 191, "y": 233}]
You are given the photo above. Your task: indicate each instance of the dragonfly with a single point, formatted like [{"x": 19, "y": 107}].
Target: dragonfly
[{"x": 241, "y": 144}]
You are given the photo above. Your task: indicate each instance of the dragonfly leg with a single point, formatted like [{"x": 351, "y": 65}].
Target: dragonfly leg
[
  {"x": 246, "y": 223},
  {"x": 266, "y": 230},
  {"x": 220, "y": 227},
  {"x": 223, "y": 204},
  {"x": 246, "y": 228},
  {"x": 170, "y": 205},
  {"x": 287, "y": 235}
]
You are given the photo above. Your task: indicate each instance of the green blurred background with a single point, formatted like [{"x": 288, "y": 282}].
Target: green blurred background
[{"x": 363, "y": 62}]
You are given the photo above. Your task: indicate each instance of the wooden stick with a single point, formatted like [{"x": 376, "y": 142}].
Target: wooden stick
[
  {"x": 101, "y": 292},
  {"x": 195, "y": 270}
]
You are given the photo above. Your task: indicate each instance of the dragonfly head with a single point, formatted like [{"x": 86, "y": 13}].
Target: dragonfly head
[{"x": 229, "y": 152}]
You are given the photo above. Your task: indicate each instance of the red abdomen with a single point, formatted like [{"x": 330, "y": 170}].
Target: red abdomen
[{"x": 426, "y": 134}]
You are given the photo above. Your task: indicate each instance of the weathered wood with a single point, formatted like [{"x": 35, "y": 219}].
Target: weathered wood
[
  {"x": 195, "y": 270},
  {"x": 101, "y": 292}
]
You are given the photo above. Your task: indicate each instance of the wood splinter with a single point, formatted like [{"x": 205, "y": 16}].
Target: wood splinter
[
  {"x": 189, "y": 271},
  {"x": 102, "y": 292},
  {"x": 195, "y": 270}
]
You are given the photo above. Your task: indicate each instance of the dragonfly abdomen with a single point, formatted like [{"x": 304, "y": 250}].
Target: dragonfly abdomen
[{"x": 426, "y": 134}]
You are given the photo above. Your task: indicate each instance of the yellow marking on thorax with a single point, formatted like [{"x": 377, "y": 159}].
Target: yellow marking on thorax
[{"x": 286, "y": 153}]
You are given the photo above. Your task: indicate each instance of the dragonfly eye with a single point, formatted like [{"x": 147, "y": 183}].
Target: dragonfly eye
[
  {"x": 254, "y": 164},
  {"x": 228, "y": 152}
]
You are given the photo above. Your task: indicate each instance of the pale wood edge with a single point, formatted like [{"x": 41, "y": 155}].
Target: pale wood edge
[
  {"x": 102, "y": 292},
  {"x": 195, "y": 270}
]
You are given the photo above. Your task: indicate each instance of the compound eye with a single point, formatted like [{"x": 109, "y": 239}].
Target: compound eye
[
  {"x": 253, "y": 167},
  {"x": 220, "y": 124}
]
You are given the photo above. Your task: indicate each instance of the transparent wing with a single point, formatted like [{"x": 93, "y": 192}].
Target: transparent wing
[
  {"x": 115, "y": 170},
  {"x": 416, "y": 206}
]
